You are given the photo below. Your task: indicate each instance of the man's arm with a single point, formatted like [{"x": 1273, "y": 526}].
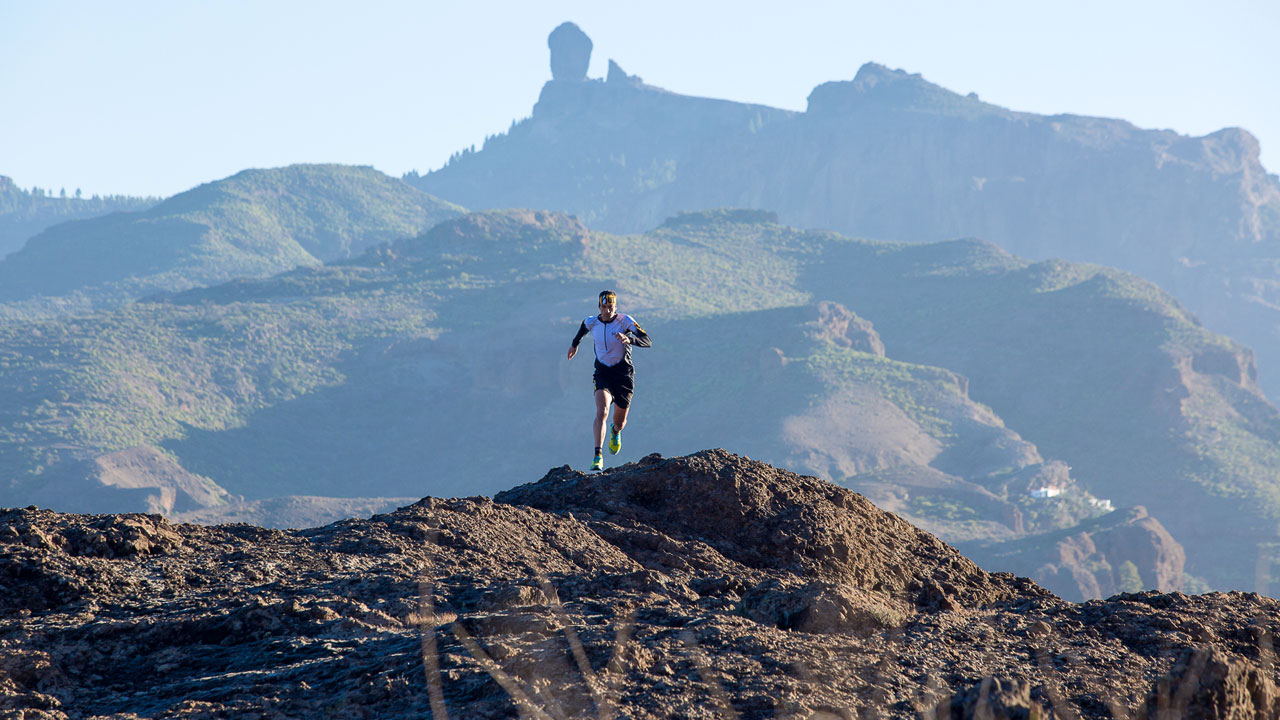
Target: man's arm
[
  {"x": 573, "y": 347},
  {"x": 582, "y": 331},
  {"x": 637, "y": 336}
]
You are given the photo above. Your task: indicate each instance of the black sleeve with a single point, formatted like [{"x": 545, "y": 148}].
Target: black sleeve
[
  {"x": 639, "y": 337},
  {"x": 582, "y": 330}
]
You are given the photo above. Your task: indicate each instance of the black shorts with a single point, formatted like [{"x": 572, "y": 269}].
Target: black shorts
[{"x": 619, "y": 380}]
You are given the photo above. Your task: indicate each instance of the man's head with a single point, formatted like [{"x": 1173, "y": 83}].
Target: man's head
[{"x": 608, "y": 300}]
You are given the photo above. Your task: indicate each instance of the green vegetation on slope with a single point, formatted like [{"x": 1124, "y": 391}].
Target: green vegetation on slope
[
  {"x": 1096, "y": 367},
  {"x": 136, "y": 376},
  {"x": 24, "y": 213},
  {"x": 255, "y": 223}
]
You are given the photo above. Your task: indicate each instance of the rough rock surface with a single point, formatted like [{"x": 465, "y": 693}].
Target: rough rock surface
[
  {"x": 1206, "y": 683},
  {"x": 703, "y": 586}
]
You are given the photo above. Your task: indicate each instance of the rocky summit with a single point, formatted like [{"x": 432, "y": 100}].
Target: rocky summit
[{"x": 703, "y": 586}]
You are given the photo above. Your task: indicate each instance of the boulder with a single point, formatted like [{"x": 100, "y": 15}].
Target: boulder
[
  {"x": 1211, "y": 684},
  {"x": 992, "y": 698}
]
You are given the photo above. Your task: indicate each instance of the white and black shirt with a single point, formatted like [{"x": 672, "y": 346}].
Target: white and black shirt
[{"x": 609, "y": 349}]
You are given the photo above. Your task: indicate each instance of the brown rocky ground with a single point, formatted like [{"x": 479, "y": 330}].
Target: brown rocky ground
[{"x": 703, "y": 586}]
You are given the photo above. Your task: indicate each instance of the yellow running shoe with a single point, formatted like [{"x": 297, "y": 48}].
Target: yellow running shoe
[
  {"x": 598, "y": 463},
  {"x": 615, "y": 442}
]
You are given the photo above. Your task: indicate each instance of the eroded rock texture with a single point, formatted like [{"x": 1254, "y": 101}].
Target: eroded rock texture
[{"x": 703, "y": 586}]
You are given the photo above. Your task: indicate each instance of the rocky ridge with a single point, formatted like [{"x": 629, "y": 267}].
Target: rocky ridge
[{"x": 701, "y": 586}]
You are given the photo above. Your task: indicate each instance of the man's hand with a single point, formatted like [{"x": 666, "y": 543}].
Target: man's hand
[
  {"x": 622, "y": 338},
  {"x": 573, "y": 350}
]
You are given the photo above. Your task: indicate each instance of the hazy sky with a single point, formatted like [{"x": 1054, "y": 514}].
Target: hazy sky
[{"x": 156, "y": 97}]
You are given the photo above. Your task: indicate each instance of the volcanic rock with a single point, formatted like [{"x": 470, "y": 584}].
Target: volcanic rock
[
  {"x": 807, "y": 527},
  {"x": 1206, "y": 683},
  {"x": 992, "y": 698},
  {"x": 704, "y": 586}
]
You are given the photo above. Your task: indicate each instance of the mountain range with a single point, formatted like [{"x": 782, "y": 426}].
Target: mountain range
[
  {"x": 947, "y": 381},
  {"x": 892, "y": 156}
]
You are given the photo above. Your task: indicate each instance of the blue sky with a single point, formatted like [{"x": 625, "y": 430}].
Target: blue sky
[{"x": 156, "y": 97}]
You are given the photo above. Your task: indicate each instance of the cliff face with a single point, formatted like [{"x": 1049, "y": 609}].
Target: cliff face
[
  {"x": 1119, "y": 552},
  {"x": 701, "y": 586},
  {"x": 605, "y": 151},
  {"x": 890, "y": 155}
]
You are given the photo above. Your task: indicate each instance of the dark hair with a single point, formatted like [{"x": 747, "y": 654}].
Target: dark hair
[{"x": 608, "y": 294}]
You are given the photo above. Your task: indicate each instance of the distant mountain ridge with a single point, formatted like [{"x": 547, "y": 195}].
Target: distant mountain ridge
[
  {"x": 255, "y": 223},
  {"x": 24, "y": 213},
  {"x": 890, "y": 155}
]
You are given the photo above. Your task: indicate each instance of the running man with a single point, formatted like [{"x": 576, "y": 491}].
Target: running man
[{"x": 613, "y": 335}]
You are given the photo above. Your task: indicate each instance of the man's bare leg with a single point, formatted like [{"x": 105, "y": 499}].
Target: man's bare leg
[
  {"x": 603, "y": 400},
  {"x": 620, "y": 417}
]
